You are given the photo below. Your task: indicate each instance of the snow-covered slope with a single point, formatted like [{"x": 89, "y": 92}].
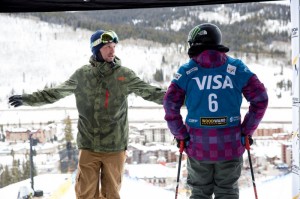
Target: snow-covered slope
[{"x": 60, "y": 186}]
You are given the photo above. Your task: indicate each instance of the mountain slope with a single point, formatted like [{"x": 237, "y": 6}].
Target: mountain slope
[{"x": 255, "y": 23}]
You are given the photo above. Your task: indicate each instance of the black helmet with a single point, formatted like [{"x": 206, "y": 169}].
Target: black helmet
[
  {"x": 205, "y": 36},
  {"x": 206, "y": 33}
]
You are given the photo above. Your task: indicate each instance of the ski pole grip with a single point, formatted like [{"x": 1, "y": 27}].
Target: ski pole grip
[
  {"x": 181, "y": 146},
  {"x": 247, "y": 144}
]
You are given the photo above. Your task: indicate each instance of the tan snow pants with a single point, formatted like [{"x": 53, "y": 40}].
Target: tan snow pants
[{"x": 99, "y": 171}]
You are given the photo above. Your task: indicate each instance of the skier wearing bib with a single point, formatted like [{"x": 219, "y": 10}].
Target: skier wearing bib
[
  {"x": 101, "y": 89},
  {"x": 211, "y": 85}
]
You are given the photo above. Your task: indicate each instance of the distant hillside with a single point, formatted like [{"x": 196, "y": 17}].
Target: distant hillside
[{"x": 246, "y": 27}]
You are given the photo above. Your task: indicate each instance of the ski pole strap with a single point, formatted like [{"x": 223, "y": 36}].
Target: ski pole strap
[
  {"x": 181, "y": 146},
  {"x": 247, "y": 144}
]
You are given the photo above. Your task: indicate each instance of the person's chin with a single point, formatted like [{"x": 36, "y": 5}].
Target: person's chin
[{"x": 110, "y": 59}]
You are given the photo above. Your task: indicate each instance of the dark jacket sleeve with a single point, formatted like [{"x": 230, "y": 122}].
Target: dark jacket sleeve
[
  {"x": 256, "y": 94},
  {"x": 173, "y": 101}
]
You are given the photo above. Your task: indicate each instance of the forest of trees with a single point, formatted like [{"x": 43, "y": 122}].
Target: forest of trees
[{"x": 18, "y": 172}]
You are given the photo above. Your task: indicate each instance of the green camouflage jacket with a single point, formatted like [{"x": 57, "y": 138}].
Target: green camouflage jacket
[{"x": 101, "y": 91}]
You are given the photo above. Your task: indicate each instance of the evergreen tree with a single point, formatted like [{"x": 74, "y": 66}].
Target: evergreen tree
[
  {"x": 16, "y": 176},
  {"x": 1, "y": 176},
  {"x": 12, "y": 153},
  {"x": 158, "y": 75},
  {"x": 163, "y": 60},
  {"x": 68, "y": 136},
  {"x": 25, "y": 170},
  {"x": 6, "y": 176},
  {"x": 71, "y": 165},
  {"x": 68, "y": 130}
]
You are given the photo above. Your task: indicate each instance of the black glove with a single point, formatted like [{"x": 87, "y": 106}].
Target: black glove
[
  {"x": 186, "y": 141},
  {"x": 244, "y": 140},
  {"x": 16, "y": 100}
]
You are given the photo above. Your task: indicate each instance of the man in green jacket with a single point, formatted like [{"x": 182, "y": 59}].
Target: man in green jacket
[{"x": 101, "y": 89}]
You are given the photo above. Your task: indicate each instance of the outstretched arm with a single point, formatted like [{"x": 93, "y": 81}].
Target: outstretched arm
[{"x": 46, "y": 96}]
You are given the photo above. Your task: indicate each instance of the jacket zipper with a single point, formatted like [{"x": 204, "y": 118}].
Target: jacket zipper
[{"x": 106, "y": 98}]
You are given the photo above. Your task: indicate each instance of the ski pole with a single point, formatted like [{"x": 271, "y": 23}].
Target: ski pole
[
  {"x": 181, "y": 147},
  {"x": 247, "y": 146}
]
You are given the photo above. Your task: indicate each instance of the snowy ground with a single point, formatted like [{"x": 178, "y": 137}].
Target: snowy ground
[
  {"x": 280, "y": 188},
  {"x": 53, "y": 185}
]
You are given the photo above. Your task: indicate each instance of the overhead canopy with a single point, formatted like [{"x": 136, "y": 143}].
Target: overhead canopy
[{"x": 7, "y": 6}]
